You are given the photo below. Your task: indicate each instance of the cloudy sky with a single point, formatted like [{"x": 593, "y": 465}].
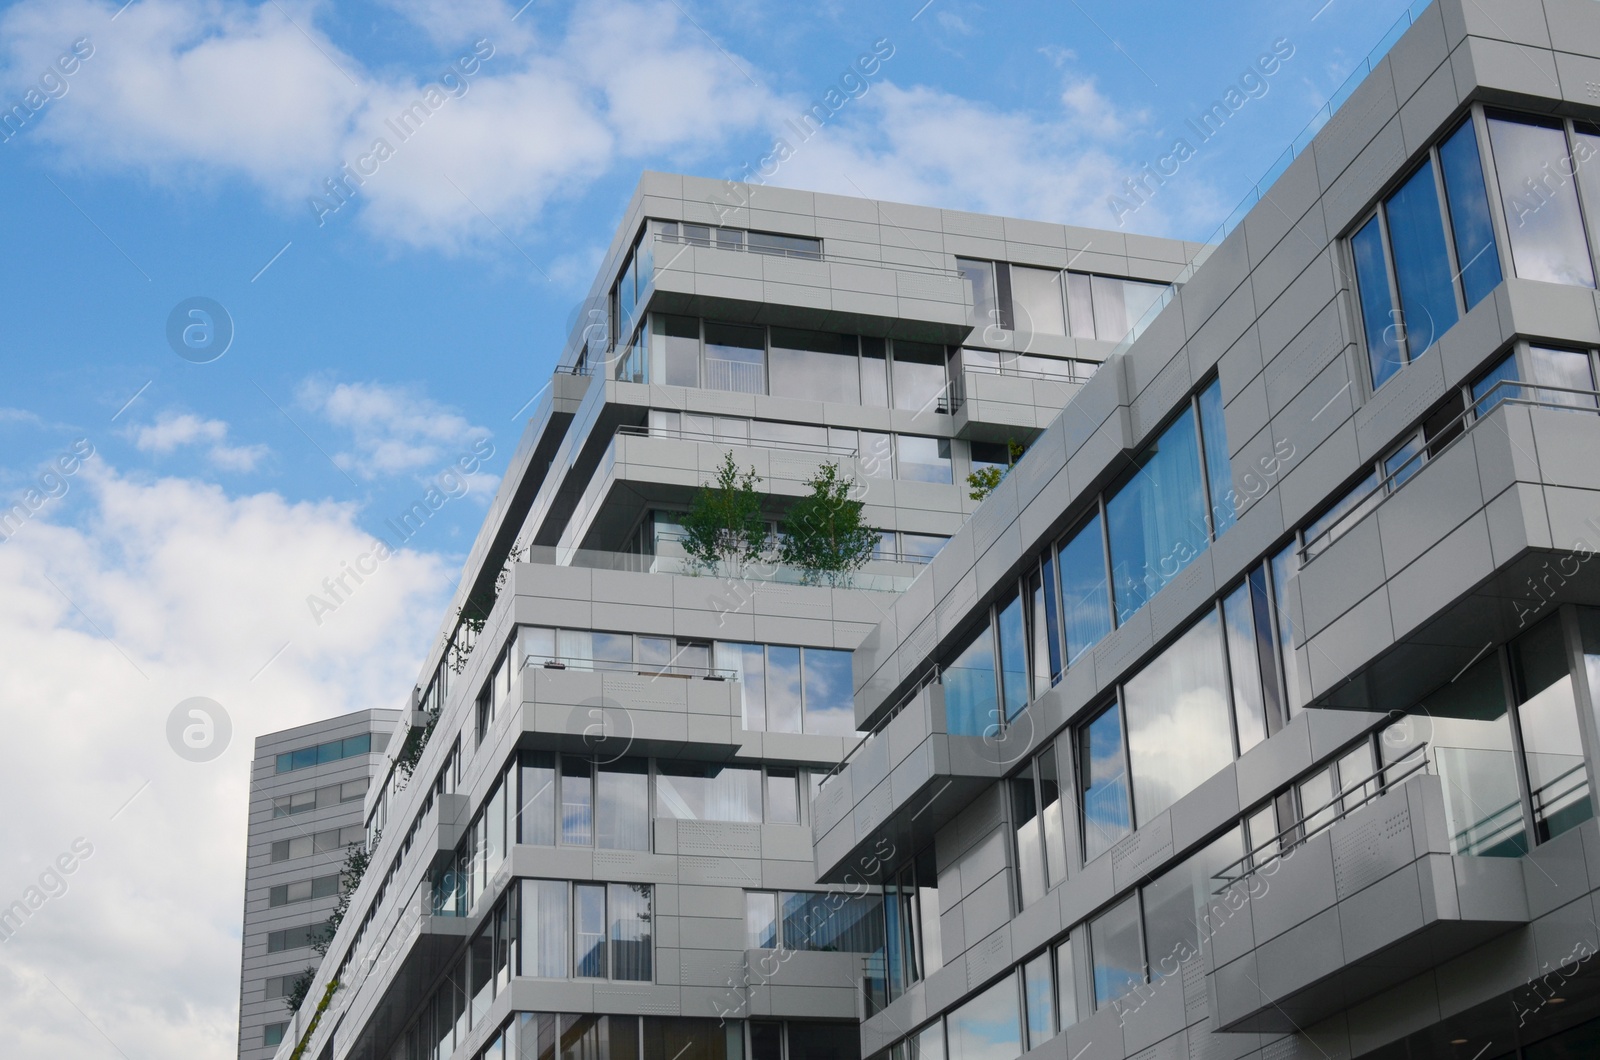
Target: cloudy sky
[{"x": 377, "y": 339}]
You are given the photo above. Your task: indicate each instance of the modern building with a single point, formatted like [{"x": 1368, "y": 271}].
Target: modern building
[
  {"x": 308, "y": 786},
  {"x": 606, "y": 840},
  {"x": 1253, "y": 714}
]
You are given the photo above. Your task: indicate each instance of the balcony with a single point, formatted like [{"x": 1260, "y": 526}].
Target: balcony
[{"x": 1355, "y": 907}]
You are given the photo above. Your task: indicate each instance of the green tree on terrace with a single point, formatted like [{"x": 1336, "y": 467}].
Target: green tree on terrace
[
  {"x": 823, "y": 533},
  {"x": 724, "y": 522}
]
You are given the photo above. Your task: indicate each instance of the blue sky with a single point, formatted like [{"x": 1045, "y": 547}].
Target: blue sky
[{"x": 374, "y": 348}]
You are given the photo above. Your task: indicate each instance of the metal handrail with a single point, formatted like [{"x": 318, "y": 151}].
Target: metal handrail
[
  {"x": 614, "y": 666},
  {"x": 1469, "y": 418},
  {"x": 776, "y": 252},
  {"x": 1031, "y": 373},
  {"x": 634, "y": 430},
  {"x": 1297, "y": 834}
]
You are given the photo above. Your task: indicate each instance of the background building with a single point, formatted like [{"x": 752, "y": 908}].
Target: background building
[{"x": 308, "y": 785}]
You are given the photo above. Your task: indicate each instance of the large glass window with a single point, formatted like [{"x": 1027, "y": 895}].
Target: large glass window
[
  {"x": 819, "y": 366},
  {"x": 832, "y": 922},
  {"x": 761, "y": 920},
  {"x": 1179, "y": 732},
  {"x": 1249, "y": 704},
  {"x": 1085, "y": 598},
  {"x": 1219, "y": 470},
  {"x": 577, "y": 802},
  {"x": 1157, "y": 518},
  {"x": 1468, "y": 196},
  {"x": 674, "y": 349},
  {"x": 1177, "y": 904},
  {"x": 589, "y": 931},
  {"x": 1066, "y": 985},
  {"x": 1014, "y": 683},
  {"x": 1552, "y": 744},
  {"x": 923, "y": 459},
  {"x": 918, "y": 373},
  {"x": 1378, "y": 315},
  {"x": 1052, "y": 810},
  {"x": 622, "y": 814},
  {"x": 1036, "y": 301},
  {"x": 1117, "y": 951},
  {"x": 1107, "y": 815},
  {"x": 1038, "y": 993},
  {"x": 735, "y": 358},
  {"x": 1030, "y": 836},
  {"x": 783, "y": 689},
  {"x": 980, "y": 281},
  {"x": 970, "y": 700},
  {"x": 1421, "y": 261},
  {"x": 827, "y": 687},
  {"x": 544, "y": 928},
  {"x": 1543, "y": 220},
  {"x": 708, "y": 791},
  {"x": 628, "y": 916},
  {"x": 988, "y": 1027}
]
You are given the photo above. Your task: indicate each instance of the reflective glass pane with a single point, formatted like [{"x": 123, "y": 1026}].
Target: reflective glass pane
[
  {"x": 544, "y": 928},
  {"x": 1178, "y": 905},
  {"x": 1085, "y": 599},
  {"x": 1156, "y": 518},
  {"x": 1540, "y": 202},
  {"x": 589, "y": 931},
  {"x": 1489, "y": 389},
  {"x": 1080, "y": 305},
  {"x": 1179, "y": 732},
  {"x": 921, "y": 546},
  {"x": 979, "y": 279},
  {"x": 1552, "y": 745},
  {"x": 1052, "y": 808},
  {"x": 1116, "y": 948},
  {"x": 829, "y": 693},
  {"x": 928, "y": 1043},
  {"x": 761, "y": 919},
  {"x": 577, "y": 802},
  {"x": 1219, "y": 469},
  {"x": 1030, "y": 837},
  {"x": 708, "y": 791},
  {"x": 1317, "y": 807},
  {"x": 748, "y": 664},
  {"x": 1066, "y": 985},
  {"x": 1107, "y": 816},
  {"x": 622, "y": 815},
  {"x": 629, "y": 914},
  {"x": 987, "y": 1027},
  {"x": 1249, "y": 708},
  {"x": 674, "y": 350},
  {"x": 1421, "y": 261},
  {"x": 1036, "y": 301},
  {"x": 1477, "y": 257},
  {"x": 875, "y": 454},
  {"x": 918, "y": 375},
  {"x": 1044, "y": 651},
  {"x": 816, "y": 365},
  {"x": 1038, "y": 993},
  {"x": 1285, "y": 565},
  {"x": 1404, "y": 462},
  {"x": 1378, "y": 314},
  {"x": 783, "y": 795},
  {"x": 1014, "y": 683},
  {"x": 923, "y": 459},
  {"x": 1567, "y": 370},
  {"x": 970, "y": 701},
  {"x": 783, "y": 689},
  {"x": 874, "y": 373},
  {"x": 736, "y": 358},
  {"x": 833, "y": 922}
]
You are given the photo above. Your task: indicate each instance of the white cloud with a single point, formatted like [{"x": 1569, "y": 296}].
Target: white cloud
[
  {"x": 172, "y": 431},
  {"x": 162, "y": 591},
  {"x": 393, "y": 429}
]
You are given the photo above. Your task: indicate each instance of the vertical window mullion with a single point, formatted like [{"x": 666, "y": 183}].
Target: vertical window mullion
[{"x": 1451, "y": 257}]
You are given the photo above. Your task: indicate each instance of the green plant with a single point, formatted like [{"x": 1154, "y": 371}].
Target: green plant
[
  {"x": 356, "y": 861},
  {"x": 316, "y": 1018},
  {"x": 724, "y": 522},
  {"x": 299, "y": 989},
  {"x": 411, "y": 748},
  {"x": 822, "y": 533},
  {"x": 984, "y": 481}
]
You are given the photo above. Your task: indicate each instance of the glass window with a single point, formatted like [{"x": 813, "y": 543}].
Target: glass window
[
  {"x": 748, "y": 662},
  {"x": 1317, "y": 808},
  {"x": 1285, "y": 565},
  {"x": 1421, "y": 261},
  {"x": 1261, "y": 832},
  {"x": 1030, "y": 838},
  {"x": 923, "y": 459},
  {"x": 1107, "y": 816},
  {"x": 876, "y": 454},
  {"x": 1355, "y": 767},
  {"x": 1568, "y": 369},
  {"x": 828, "y": 692},
  {"x": 979, "y": 278},
  {"x": 1485, "y": 391},
  {"x": 538, "y": 814},
  {"x": 816, "y": 1040},
  {"x": 1219, "y": 470},
  {"x": 1080, "y": 305},
  {"x": 1013, "y": 655},
  {"x": 272, "y": 1033},
  {"x": 928, "y": 1043},
  {"x": 629, "y": 915},
  {"x": 1085, "y": 600},
  {"x": 1541, "y": 207},
  {"x": 1117, "y": 951},
  {"x": 577, "y": 802},
  {"x": 1249, "y": 708},
  {"x": 874, "y": 372},
  {"x": 1478, "y": 259},
  {"x": 674, "y": 350},
  {"x": 1036, "y": 301},
  {"x": 921, "y": 546},
  {"x": 918, "y": 375},
  {"x": 736, "y": 358},
  {"x": 1404, "y": 461},
  {"x": 1552, "y": 745},
  {"x": 1377, "y": 303},
  {"x": 1178, "y": 728},
  {"x": 708, "y": 791},
  {"x": 1066, "y": 985},
  {"x": 494, "y": 818},
  {"x": 761, "y": 920},
  {"x": 1156, "y": 518},
  {"x": 1038, "y": 993},
  {"x": 987, "y": 1027},
  {"x": 816, "y": 365},
  {"x": 589, "y": 931},
  {"x": 544, "y": 928},
  {"x": 783, "y": 689},
  {"x": 1044, "y": 625},
  {"x": 1177, "y": 905},
  {"x": 833, "y": 922},
  {"x": 622, "y": 815},
  {"x": 986, "y": 455},
  {"x": 970, "y": 701},
  {"x": 930, "y": 945},
  {"x": 783, "y": 795},
  {"x": 1052, "y": 812}
]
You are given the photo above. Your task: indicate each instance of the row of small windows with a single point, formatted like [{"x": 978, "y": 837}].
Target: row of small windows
[
  {"x": 320, "y": 798},
  {"x": 1429, "y": 252},
  {"x": 332, "y": 751},
  {"x": 546, "y": 799},
  {"x": 1035, "y": 301},
  {"x": 1145, "y": 530},
  {"x": 295, "y": 938},
  {"x": 303, "y": 891},
  {"x": 324, "y": 842},
  {"x": 783, "y": 689}
]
